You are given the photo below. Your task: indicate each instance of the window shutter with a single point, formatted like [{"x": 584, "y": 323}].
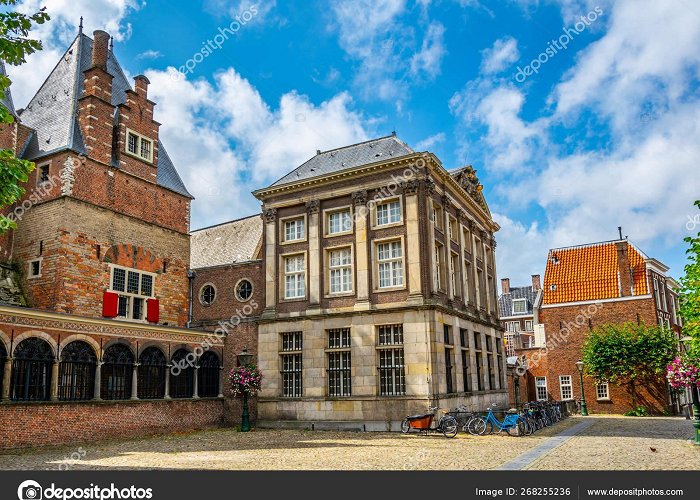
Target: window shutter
[
  {"x": 110, "y": 305},
  {"x": 153, "y": 310}
]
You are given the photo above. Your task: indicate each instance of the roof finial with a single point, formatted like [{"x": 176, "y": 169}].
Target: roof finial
[
  {"x": 80, "y": 27},
  {"x": 111, "y": 44}
]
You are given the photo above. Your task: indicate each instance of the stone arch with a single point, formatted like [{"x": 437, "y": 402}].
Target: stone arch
[
  {"x": 154, "y": 343},
  {"x": 134, "y": 257},
  {"x": 5, "y": 341},
  {"x": 124, "y": 341},
  {"x": 88, "y": 340},
  {"x": 34, "y": 333}
]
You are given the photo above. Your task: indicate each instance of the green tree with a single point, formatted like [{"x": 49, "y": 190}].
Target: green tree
[
  {"x": 689, "y": 296},
  {"x": 629, "y": 354},
  {"x": 15, "y": 45}
]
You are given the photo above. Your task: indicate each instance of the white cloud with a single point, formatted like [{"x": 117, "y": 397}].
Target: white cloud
[
  {"x": 243, "y": 143},
  {"x": 502, "y": 54},
  {"x": 429, "y": 142},
  {"x": 150, "y": 54},
  {"x": 428, "y": 60},
  {"x": 56, "y": 34}
]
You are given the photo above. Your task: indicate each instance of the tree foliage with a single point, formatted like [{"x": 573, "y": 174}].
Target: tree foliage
[
  {"x": 629, "y": 354},
  {"x": 690, "y": 293},
  {"x": 15, "y": 46}
]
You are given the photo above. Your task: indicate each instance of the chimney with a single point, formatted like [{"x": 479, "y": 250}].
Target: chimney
[
  {"x": 536, "y": 283},
  {"x": 505, "y": 285},
  {"x": 100, "y": 49},
  {"x": 141, "y": 85},
  {"x": 623, "y": 269}
]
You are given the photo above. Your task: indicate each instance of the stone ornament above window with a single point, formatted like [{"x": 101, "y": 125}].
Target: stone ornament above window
[
  {"x": 359, "y": 197},
  {"x": 270, "y": 214},
  {"x": 312, "y": 206}
]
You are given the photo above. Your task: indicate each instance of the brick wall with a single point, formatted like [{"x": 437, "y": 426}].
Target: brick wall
[
  {"x": 35, "y": 424},
  {"x": 561, "y": 356}
]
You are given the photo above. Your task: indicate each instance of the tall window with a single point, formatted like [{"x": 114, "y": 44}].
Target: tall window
[
  {"x": 454, "y": 273},
  {"x": 151, "y": 374},
  {"x": 449, "y": 369},
  {"x": 479, "y": 361},
  {"x": 513, "y": 326},
  {"x": 209, "y": 375},
  {"x": 294, "y": 277},
  {"x": 499, "y": 361},
  {"x": 117, "y": 372},
  {"x": 467, "y": 273},
  {"x": 565, "y": 387},
  {"x": 465, "y": 370},
  {"x": 541, "y": 388},
  {"x": 529, "y": 325},
  {"x": 339, "y": 222},
  {"x": 134, "y": 288},
  {"x": 31, "y": 370},
  {"x": 657, "y": 293},
  {"x": 292, "y": 365},
  {"x": 437, "y": 217},
  {"x": 454, "y": 232},
  {"x": 438, "y": 266},
  {"x": 390, "y": 264},
  {"x": 182, "y": 384},
  {"x": 602, "y": 391},
  {"x": 339, "y": 359},
  {"x": 392, "y": 377},
  {"x": 42, "y": 174},
  {"x": 76, "y": 374},
  {"x": 388, "y": 213},
  {"x": 294, "y": 229},
  {"x": 340, "y": 267},
  {"x": 139, "y": 146}
]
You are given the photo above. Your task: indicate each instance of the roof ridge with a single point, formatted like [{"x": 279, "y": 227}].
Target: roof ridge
[
  {"x": 586, "y": 245},
  {"x": 224, "y": 223},
  {"x": 357, "y": 144}
]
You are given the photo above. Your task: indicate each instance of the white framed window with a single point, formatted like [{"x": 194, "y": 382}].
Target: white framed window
[
  {"x": 467, "y": 272},
  {"x": 35, "y": 268},
  {"x": 436, "y": 216},
  {"x": 602, "y": 391},
  {"x": 294, "y": 230},
  {"x": 339, "y": 363},
  {"x": 392, "y": 375},
  {"x": 295, "y": 276},
  {"x": 565, "y": 387},
  {"x": 529, "y": 325},
  {"x": 454, "y": 273},
  {"x": 340, "y": 270},
  {"x": 134, "y": 287},
  {"x": 139, "y": 146},
  {"x": 388, "y": 213},
  {"x": 454, "y": 231},
  {"x": 338, "y": 222},
  {"x": 541, "y": 388},
  {"x": 438, "y": 267},
  {"x": 519, "y": 306},
  {"x": 513, "y": 326},
  {"x": 390, "y": 264}
]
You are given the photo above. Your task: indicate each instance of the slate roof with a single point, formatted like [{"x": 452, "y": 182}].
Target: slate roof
[
  {"x": 52, "y": 112},
  {"x": 348, "y": 157},
  {"x": 6, "y": 99},
  {"x": 229, "y": 243},
  {"x": 505, "y": 301},
  {"x": 590, "y": 272}
]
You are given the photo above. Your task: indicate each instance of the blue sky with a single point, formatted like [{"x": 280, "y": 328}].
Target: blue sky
[{"x": 604, "y": 133}]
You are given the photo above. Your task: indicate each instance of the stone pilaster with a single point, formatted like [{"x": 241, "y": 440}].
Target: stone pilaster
[
  {"x": 195, "y": 393},
  {"x": 135, "y": 382},
  {"x": 98, "y": 382},
  {"x": 6, "y": 379},
  {"x": 54, "y": 380},
  {"x": 413, "y": 239},
  {"x": 314, "y": 255},
  {"x": 362, "y": 250},
  {"x": 446, "y": 204},
  {"x": 167, "y": 381},
  {"x": 270, "y": 218}
]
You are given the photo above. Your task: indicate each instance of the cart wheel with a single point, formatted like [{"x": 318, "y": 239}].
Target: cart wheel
[
  {"x": 449, "y": 427},
  {"x": 405, "y": 426}
]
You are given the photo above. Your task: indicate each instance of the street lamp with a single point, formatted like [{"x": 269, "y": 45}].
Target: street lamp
[
  {"x": 244, "y": 359},
  {"x": 584, "y": 408}
]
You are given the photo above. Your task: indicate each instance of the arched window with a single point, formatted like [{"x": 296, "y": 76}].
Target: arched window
[
  {"x": 208, "y": 376},
  {"x": 76, "y": 373},
  {"x": 117, "y": 372},
  {"x": 3, "y": 359},
  {"x": 182, "y": 384},
  {"x": 244, "y": 290},
  {"x": 207, "y": 295},
  {"x": 151, "y": 378},
  {"x": 31, "y": 370}
]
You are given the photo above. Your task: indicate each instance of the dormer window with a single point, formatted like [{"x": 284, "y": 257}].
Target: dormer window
[
  {"x": 139, "y": 146},
  {"x": 43, "y": 175},
  {"x": 519, "y": 306}
]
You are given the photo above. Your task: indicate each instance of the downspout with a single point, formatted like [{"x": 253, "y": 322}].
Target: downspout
[{"x": 190, "y": 278}]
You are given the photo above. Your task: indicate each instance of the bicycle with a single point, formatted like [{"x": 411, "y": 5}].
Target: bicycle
[
  {"x": 423, "y": 423},
  {"x": 513, "y": 422}
]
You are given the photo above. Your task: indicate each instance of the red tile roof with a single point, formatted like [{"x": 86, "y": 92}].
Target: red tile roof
[{"x": 590, "y": 272}]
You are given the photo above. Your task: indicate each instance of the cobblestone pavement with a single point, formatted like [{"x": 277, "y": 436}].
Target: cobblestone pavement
[{"x": 610, "y": 443}]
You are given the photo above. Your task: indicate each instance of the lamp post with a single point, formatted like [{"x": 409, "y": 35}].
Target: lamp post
[
  {"x": 584, "y": 408},
  {"x": 244, "y": 359}
]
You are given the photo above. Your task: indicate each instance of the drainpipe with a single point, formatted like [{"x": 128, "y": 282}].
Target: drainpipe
[{"x": 190, "y": 278}]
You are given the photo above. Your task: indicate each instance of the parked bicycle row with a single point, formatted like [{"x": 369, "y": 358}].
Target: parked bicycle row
[{"x": 529, "y": 418}]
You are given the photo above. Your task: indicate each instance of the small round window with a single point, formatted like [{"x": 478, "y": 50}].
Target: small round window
[
  {"x": 207, "y": 295},
  {"x": 244, "y": 290}
]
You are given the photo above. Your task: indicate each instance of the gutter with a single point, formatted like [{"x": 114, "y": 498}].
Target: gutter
[{"x": 190, "y": 278}]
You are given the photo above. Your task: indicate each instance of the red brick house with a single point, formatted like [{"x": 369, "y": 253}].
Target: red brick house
[
  {"x": 590, "y": 285},
  {"x": 95, "y": 279}
]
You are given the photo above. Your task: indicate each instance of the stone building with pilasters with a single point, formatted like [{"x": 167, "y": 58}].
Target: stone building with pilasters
[{"x": 380, "y": 295}]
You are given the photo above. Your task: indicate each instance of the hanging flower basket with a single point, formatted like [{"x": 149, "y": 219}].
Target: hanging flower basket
[
  {"x": 245, "y": 380},
  {"x": 683, "y": 372}
]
